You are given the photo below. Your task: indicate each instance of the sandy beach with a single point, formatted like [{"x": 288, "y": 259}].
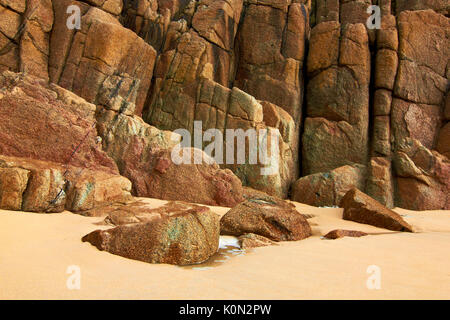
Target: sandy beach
[{"x": 36, "y": 251}]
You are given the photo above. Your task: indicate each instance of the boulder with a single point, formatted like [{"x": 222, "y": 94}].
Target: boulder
[
  {"x": 187, "y": 238},
  {"x": 268, "y": 217},
  {"x": 361, "y": 208},
  {"x": 326, "y": 189},
  {"x": 144, "y": 155},
  {"x": 43, "y": 186}
]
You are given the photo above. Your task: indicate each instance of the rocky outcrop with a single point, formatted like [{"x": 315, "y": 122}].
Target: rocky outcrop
[
  {"x": 45, "y": 122},
  {"x": 187, "y": 238},
  {"x": 361, "y": 208},
  {"x": 313, "y": 75},
  {"x": 42, "y": 186},
  {"x": 268, "y": 217}
]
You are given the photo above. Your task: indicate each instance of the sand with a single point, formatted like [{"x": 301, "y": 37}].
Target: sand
[{"x": 36, "y": 251}]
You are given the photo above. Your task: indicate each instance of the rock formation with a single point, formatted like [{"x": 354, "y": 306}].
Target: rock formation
[{"x": 101, "y": 85}]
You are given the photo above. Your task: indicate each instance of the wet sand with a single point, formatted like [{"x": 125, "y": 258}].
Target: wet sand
[{"x": 37, "y": 249}]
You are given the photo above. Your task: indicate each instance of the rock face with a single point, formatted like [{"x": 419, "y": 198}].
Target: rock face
[
  {"x": 100, "y": 55},
  {"x": 423, "y": 177},
  {"x": 46, "y": 122},
  {"x": 329, "y": 90},
  {"x": 268, "y": 217},
  {"x": 188, "y": 238},
  {"x": 339, "y": 233},
  {"x": 361, "y": 208},
  {"x": 337, "y": 97}
]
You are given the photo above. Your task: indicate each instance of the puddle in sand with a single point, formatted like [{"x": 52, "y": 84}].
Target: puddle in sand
[{"x": 228, "y": 248}]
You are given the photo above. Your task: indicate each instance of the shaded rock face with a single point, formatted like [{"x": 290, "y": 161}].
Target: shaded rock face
[
  {"x": 338, "y": 92},
  {"x": 188, "y": 238},
  {"x": 339, "y": 233},
  {"x": 361, "y": 208},
  {"x": 268, "y": 217},
  {"x": 423, "y": 181},
  {"x": 42, "y": 186}
]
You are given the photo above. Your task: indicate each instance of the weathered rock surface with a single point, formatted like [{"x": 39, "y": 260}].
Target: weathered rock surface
[
  {"x": 144, "y": 154},
  {"x": 380, "y": 183},
  {"x": 268, "y": 217},
  {"x": 336, "y": 127},
  {"x": 340, "y": 233},
  {"x": 423, "y": 181},
  {"x": 361, "y": 208},
  {"x": 326, "y": 189},
  {"x": 42, "y": 186},
  {"x": 101, "y": 53},
  {"x": 232, "y": 65},
  {"x": 187, "y": 238},
  {"x": 45, "y": 122}
]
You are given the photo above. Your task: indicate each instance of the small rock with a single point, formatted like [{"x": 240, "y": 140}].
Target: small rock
[{"x": 340, "y": 233}]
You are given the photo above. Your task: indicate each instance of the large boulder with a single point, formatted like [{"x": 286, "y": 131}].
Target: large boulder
[
  {"x": 326, "y": 189},
  {"x": 361, "y": 208},
  {"x": 43, "y": 186},
  {"x": 187, "y": 238},
  {"x": 268, "y": 217},
  {"x": 144, "y": 154}
]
